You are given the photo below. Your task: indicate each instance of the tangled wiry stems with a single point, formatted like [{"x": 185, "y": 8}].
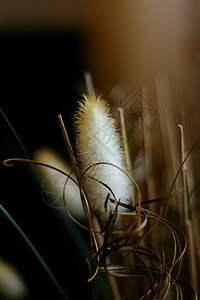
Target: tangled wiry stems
[
  {"x": 147, "y": 262},
  {"x": 126, "y": 251},
  {"x": 129, "y": 252}
]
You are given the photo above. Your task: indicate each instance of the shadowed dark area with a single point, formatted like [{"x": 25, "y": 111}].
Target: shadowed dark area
[{"x": 39, "y": 75}]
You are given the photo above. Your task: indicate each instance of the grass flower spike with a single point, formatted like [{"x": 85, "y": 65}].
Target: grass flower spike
[{"x": 98, "y": 141}]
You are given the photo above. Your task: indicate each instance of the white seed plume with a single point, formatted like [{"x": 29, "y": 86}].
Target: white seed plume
[
  {"x": 97, "y": 140},
  {"x": 12, "y": 285},
  {"x": 54, "y": 183}
]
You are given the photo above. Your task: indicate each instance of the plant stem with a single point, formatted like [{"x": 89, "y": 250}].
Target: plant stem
[
  {"x": 89, "y": 83},
  {"x": 69, "y": 147},
  {"x": 35, "y": 252}
]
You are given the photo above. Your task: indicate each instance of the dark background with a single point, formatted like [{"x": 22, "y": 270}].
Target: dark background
[{"x": 40, "y": 75}]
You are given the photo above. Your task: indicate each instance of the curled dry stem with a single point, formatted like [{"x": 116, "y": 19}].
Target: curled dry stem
[{"x": 130, "y": 240}]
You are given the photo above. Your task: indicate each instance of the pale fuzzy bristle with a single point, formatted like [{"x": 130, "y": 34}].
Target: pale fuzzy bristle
[{"x": 97, "y": 140}]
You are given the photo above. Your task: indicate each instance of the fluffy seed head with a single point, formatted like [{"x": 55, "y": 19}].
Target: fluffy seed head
[{"x": 97, "y": 140}]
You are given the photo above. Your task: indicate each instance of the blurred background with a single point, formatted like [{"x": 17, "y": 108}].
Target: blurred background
[{"x": 144, "y": 56}]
